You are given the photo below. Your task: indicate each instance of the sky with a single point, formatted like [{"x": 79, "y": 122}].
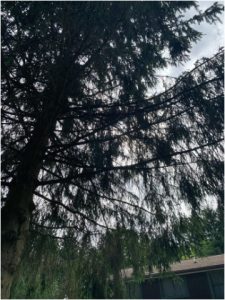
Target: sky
[
  {"x": 212, "y": 39},
  {"x": 207, "y": 46}
]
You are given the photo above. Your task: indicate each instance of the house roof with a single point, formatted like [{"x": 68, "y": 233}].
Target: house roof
[{"x": 186, "y": 266}]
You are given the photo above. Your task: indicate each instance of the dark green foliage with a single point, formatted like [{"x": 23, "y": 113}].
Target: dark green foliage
[
  {"x": 211, "y": 235},
  {"x": 81, "y": 74},
  {"x": 191, "y": 191},
  {"x": 51, "y": 269}
]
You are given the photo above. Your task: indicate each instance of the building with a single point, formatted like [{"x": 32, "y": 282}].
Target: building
[{"x": 201, "y": 278}]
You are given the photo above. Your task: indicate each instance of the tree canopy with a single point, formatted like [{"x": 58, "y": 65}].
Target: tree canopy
[{"x": 83, "y": 133}]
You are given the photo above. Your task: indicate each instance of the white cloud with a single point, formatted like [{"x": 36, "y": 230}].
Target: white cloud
[{"x": 212, "y": 39}]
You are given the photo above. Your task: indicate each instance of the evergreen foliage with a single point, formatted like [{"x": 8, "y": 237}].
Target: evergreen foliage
[
  {"x": 84, "y": 271},
  {"x": 77, "y": 94},
  {"x": 209, "y": 238}
]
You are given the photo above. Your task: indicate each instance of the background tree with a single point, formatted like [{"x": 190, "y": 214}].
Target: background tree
[
  {"x": 207, "y": 233},
  {"x": 80, "y": 129}
]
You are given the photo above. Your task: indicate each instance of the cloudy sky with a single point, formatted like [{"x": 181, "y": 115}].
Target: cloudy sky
[
  {"x": 208, "y": 45},
  {"x": 212, "y": 39}
]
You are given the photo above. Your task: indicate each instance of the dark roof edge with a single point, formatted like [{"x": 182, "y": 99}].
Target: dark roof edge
[
  {"x": 168, "y": 274},
  {"x": 189, "y": 271}
]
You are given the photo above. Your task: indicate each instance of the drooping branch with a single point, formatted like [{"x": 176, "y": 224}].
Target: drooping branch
[
  {"x": 134, "y": 166},
  {"x": 71, "y": 210}
]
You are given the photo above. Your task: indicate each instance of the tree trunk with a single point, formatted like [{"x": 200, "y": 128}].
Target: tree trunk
[
  {"x": 15, "y": 226},
  {"x": 19, "y": 204}
]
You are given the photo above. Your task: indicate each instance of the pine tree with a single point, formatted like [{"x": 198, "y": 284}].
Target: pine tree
[{"x": 81, "y": 125}]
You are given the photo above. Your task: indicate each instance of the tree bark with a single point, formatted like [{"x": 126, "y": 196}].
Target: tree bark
[{"x": 19, "y": 204}]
